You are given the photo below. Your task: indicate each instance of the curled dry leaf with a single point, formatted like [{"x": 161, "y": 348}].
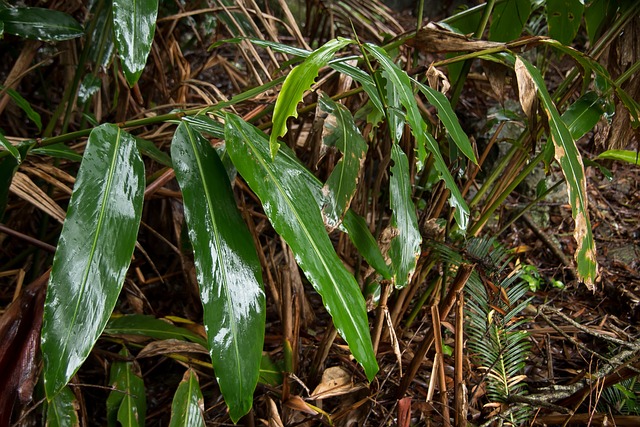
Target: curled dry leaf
[
  {"x": 437, "y": 80},
  {"x": 170, "y": 346},
  {"x": 336, "y": 381},
  {"x": 435, "y": 39},
  {"x": 20, "y": 331},
  {"x": 526, "y": 90}
]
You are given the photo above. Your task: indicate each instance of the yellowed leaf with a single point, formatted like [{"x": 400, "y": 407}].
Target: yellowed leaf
[{"x": 526, "y": 89}]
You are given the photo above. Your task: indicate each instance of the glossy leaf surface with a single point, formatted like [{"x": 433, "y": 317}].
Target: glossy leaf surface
[
  {"x": 294, "y": 214},
  {"x": 424, "y": 140},
  {"x": 340, "y": 131},
  {"x": 570, "y": 160},
  {"x": 352, "y": 224},
  {"x": 628, "y": 156},
  {"x": 94, "y": 252},
  {"x": 59, "y": 151},
  {"x": 297, "y": 82},
  {"x": 40, "y": 24},
  {"x": 563, "y": 18},
  {"x": 584, "y": 114},
  {"x": 227, "y": 267},
  {"x": 134, "y": 24},
  {"x": 62, "y": 410},
  {"x": 187, "y": 409},
  {"x": 10, "y": 148},
  {"x": 366, "y": 244},
  {"x": 508, "y": 19},
  {"x": 127, "y": 402},
  {"x": 149, "y": 326},
  {"x": 405, "y": 247}
]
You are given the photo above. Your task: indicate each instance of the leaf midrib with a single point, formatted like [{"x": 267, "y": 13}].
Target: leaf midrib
[
  {"x": 98, "y": 229},
  {"x": 260, "y": 158},
  {"x": 223, "y": 268}
]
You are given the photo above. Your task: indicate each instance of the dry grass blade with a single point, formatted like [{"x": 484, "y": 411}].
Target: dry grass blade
[{"x": 23, "y": 187}]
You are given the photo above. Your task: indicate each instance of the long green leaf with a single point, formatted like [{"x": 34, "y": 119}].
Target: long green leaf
[
  {"x": 621, "y": 155},
  {"x": 10, "y": 148},
  {"x": 568, "y": 156},
  {"x": 294, "y": 214},
  {"x": 297, "y": 82},
  {"x": 62, "y": 410},
  {"x": 40, "y": 23},
  {"x": 134, "y": 24},
  {"x": 127, "y": 402},
  {"x": 363, "y": 240},
  {"x": 584, "y": 114},
  {"x": 227, "y": 266},
  {"x": 149, "y": 326},
  {"x": 187, "y": 408},
  {"x": 449, "y": 120},
  {"x": 563, "y": 18},
  {"x": 340, "y": 131},
  {"x": 508, "y": 19},
  {"x": 405, "y": 247},
  {"x": 59, "y": 151},
  {"x": 93, "y": 254},
  {"x": 424, "y": 140},
  {"x": 24, "y": 106}
]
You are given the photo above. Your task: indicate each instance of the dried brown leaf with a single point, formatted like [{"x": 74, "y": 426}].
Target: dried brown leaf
[{"x": 434, "y": 39}]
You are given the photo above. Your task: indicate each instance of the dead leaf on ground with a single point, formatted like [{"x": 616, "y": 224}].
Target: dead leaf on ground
[{"x": 336, "y": 381}]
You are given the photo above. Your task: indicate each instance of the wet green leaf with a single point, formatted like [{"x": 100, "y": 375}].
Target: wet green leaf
[
  {"x": 134, "y": 24},
  {"x": 187, "y": 409},
  {"x": 563, "y": 18},
  {"x": 337, "y": 64},
  {"x": 227, "y": 267},
  {"x": 102, "y": 46},
  {"x": 40, "y": 24},
  {"x": 584, "y": 114},
  {"x": 340, "y": 131},
  {"x": 127, "y": 402},
  {"x": 366, "y": 244},
  {"x": 149, "y": 149},
  {"x": 508, "y": 19},
  {"x": 405, "y": 247},
  {"x": 570, "y": 160},
  {"x": 24, "y": 106},
  {"x": 621, "y": 155},
  {"x": 10, "y": 148},
  {"x": 294, "y": 214},
  {"x": 352, "y": 224},
  {"x": 59, "y": 151},
  {"x": 297, "y": 82},
  {"x": 424, "y": 140},
  {"x": 94, "y": 252},
  {"x": 62, "y": 410},
  {"x": 149, "y": 326}
]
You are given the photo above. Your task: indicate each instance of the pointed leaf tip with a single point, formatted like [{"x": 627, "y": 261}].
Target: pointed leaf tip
[
  {"x": 94, "y": 252},
  {"x": 227, "y": 267}
]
